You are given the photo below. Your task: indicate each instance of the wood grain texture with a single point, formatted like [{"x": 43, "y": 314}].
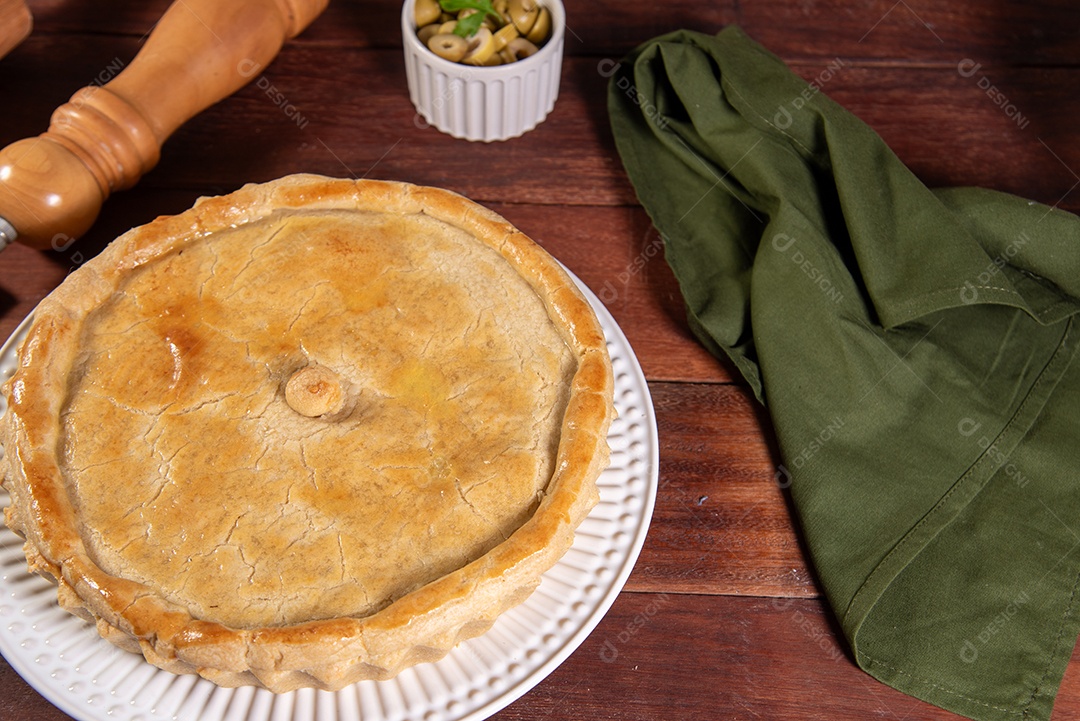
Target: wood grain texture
[
  {"x": 592, "y": 27},
  {"x": 918, "y": 33},
  {"x": 702, "y": 658},
  {"x": 722, "y": 523},
  {"x": 691, "y": 658},
  {"x": 722, "y": 618},
  {"x": 1013, "y": 33},
  {"x": 1006, "y": 128}
]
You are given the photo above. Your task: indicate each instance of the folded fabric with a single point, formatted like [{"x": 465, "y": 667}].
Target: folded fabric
[{"x": 916, "y": 351}]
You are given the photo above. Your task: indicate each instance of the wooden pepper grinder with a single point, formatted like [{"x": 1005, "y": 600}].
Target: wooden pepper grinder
[
  {"x": 106, "y": 137},
  {"x": 15, "y": 24}
]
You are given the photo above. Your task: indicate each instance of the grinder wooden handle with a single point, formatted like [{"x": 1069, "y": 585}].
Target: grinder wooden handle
[
  {"x": 15, "y": 24},
  {"x": 106, "y": 137}
]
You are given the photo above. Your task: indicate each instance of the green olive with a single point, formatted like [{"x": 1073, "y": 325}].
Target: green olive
[
  {"x": 523, "y": 14},
  {"x": 481, "y": 47},
  {"x": 527, "y": 27},
  {"x": 504, "y": 35},
  {"x": 520, "y": 48},
  {"x": 427, "y": 32},
  {"x": 541, "y": 28},
  {"x": 426, "y": 12},
  {"x": 449, "y": 46}
]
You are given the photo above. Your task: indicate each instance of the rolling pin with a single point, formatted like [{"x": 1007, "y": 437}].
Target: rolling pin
[
  {"x": 15, "y": 24},
  {"x": 107, "y": 136}
]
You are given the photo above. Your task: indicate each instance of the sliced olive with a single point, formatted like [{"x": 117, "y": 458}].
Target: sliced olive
[
  {"x": 507, "y": 56},
  {"x": 447, "y": 27},
  {"x": 541, "y": 28},
  {"x": 504, "y": 35},
  {"x": 520, "y": 48},
  {"x": 523, "y": 14},
  {"x": 494, "y": 60},
  {"x": 500, "y": 6},
  {"x": 427, "y": 32},
  {"x": 426, "y": 12},
  {"x": 481, "y": 47},
  {"x": 449, "y": 46},
  {"x": 487, "y": 21}
]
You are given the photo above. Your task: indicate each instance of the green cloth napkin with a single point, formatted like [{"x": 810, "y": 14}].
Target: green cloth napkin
[{"x": 916, "y": 351}]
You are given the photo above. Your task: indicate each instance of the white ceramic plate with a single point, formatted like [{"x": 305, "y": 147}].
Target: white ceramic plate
[{"x": 90, "y": 679}]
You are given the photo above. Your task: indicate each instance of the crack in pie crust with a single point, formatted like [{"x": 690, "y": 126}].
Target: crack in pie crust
[{"x": 308, "y": 433}]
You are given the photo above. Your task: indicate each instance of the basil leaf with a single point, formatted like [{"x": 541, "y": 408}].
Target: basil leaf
[
  {"x": 456, "y": 6},
  {"x": 468, "y": 26}
]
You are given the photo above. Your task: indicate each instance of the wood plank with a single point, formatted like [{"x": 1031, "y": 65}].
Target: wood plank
[
  {"x": 942, "y": 124},
  {"x": 751, "y": 658},
  {"x": 363, "y": 125},
  {"x": 355, "y": 24},
  {"x": 1014, "y": 32},
  {"x": 21, "y": 701},
  {"x": 602, "y": 27},
  {"x": 360, "y": 122},
  {"x": 1001, "y": 33},
  {"x": 26, "y": 276},
  {"x": 721, "y": 524}
]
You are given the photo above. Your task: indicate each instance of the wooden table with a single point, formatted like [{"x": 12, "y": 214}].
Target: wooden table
[{"x": 722, "y": 617}]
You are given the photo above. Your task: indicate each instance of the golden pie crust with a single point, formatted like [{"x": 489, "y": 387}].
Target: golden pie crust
[{"x": 308, "y": 433}]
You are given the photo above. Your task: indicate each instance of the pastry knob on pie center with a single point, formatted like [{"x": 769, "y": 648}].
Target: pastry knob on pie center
[{"x": 315, "y": 391}]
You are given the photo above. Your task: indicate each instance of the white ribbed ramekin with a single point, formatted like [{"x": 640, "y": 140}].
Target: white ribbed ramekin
[{"x": 480, "y": 103}]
